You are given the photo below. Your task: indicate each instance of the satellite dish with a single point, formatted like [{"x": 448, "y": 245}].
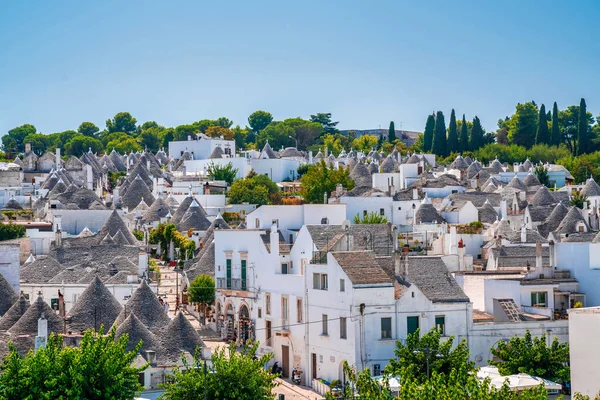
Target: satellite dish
[{"x": 346, "y": 225}]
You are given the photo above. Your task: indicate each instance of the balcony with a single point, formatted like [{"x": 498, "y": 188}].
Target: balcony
[{"x": 232, "y": 284}]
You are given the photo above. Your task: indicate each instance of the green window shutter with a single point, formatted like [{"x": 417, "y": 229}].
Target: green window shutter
[
  {"x": 243, "y": 274},
  {"x": 228, "y": 274},
  {"x": 412, "y": 324},
  {"x": 533, "y": 299}
]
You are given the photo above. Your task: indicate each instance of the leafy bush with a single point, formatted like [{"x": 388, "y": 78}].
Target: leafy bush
[{"x": 11, "y": 231}]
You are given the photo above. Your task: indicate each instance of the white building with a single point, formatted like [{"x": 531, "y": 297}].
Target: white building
[
  {"x": 584, "y": 324},
  {"x": 201, "y": 147}
]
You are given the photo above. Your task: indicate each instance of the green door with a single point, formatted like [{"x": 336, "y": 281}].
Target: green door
[
  {"x": 412, "y": 324},
  {"x": 228, "y": 274},
  {"x": 243, "y": 274}
]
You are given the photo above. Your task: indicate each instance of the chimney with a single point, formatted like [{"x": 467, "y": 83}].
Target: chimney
[
  {"x": 522, "y": 195},
  {"x": 61, "y": 304},
  {"x": 142, "y": 264},
  {"x": 324, "y": 197},
  {"x": 42, "y": 336},
  {"x": 310, "y": 157},
  {"x": 274, "y": 242},
  {"x": 148, "y": 165},
  {"x": 150, "y": 356},
  {"x": 461, "y": 255},
  {"x": 453, "y": 241},
  {"x": 27, "y": 148},
  {"x": 551, "y": 254},
  {"x": 538, "y": 258},
  {"x": 503, "y": 212},
  {"x": 58, "y": 160},
  {"x": 116, "y": 199},
  {"x": 189, "y": 138},
  {"x": 397, "y": 263},
  {"x": 90, "y": 176},
  {"x": 58, "y": 239},
  {"x": 339, "y": 189},
  {"x": 183, "y": 170},
  {"x": 415, "y": 194},
  {"x": 523, "y": 234}
]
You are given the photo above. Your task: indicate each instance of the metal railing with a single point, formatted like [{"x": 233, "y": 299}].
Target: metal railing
[{"x": 232, "y": 283}]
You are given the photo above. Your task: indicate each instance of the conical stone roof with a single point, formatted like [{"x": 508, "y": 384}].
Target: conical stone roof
[
  {"x": 388, "y": 165},
  {"x": 12, "y": 204},
  {"x": 542, "y": 197},
  {"x": 159, "y": 209},
  {"x": 361, "y": 175},
  {"x": 591, "y": 188},
  {"x": 114, "y": 224},
  {"x": 172, "y": 202},
  {"x": 96, "y": 306},
  {"x": 50, "y": 182},
  {"x": 531, "y": 180},
  {"x": 373, "y": 167},
  {"x": 137, "y": 331},
  {"x": 146, "y": 307},
  {"x": 487, "y": 213},
  {"x": 180, "y": 336},
  {"x": 14, "y": 313},
  {"x": 136, "y": 192},
  {"x": 182, "y": 209},
  {"x": 28, "y": 323},
  {"x": 517, "y": 184},
  {"x": 570, "y": 222},
  {"x": 7, "y": 295},
  {"x": 193, "y": 218}
]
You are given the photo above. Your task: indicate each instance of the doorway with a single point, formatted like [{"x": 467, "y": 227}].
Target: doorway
[
  {"x": 285, "y": 361},
  {"x": 314, "y": 366},
  {"x": 268, "y": 333}
]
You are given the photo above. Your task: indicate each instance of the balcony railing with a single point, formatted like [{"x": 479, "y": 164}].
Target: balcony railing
[{"x": 232, "y": 284}]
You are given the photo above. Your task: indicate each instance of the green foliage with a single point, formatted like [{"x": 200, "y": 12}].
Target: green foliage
[
  {"x": 232, "y": 375},
  {"x": 392, "y": 132},
  {"x": 88, "y": 129},
  {"x": 121, "y": 122},
  {"x": 80, "y": 144},
  {"x": 477, "y": 135},
  {"x": 522, "y": 126},
  {"x": 578, "y": 199},
  {"x": 439, "y": 145},
  {"x": 202, "y": 290},
  {"x": 254, "y": 189},
  {"x": 38, "y": 142},
  {"x": 13, "y": 142},
  {"x": 151, "y": 138},
  {"x": 163, "y": 234},
  {"x": 453, "y": 145},
  {"x": 259, "y": 120},
  {"x": 531, "y": 355},
  {"x": 222, "y": 172},
  {"x": 583, "y": 141},
  {"x": 113, "y": 178},
  {"x": 542, "y": 135},
  {"x": 100, "y": 368},
  {"x": 370, "y": 218},
  {"x": 463, "y": 140},
  {"x": 583, "y": 166},
  {"x": 139, "y": 235},
  {"x": 124, "y": 146},
  {"x": 542, "y": 174},
  {"x": 555, "y": 135},
  {"x": 411, "y": 358},
  {"x": 568, "y": 120},
  {"x": 321, "y": 179},
  {"x": 325, "y": 120},
  {"x": 11, "y": 231},
  {"x": 365, "y": 143},
  {"x": 428, "y": 133}
]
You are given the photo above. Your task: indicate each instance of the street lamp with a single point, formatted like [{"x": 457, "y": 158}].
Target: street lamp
[
  {"x": 427, "y": 351},
  {"x": 296, "y": 140}
]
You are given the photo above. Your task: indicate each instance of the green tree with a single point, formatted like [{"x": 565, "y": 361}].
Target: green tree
[
  {"x": 453, "y": 146},
  {"x": 583, "y": 142},
  {"x": 477, "y": 140},
  {"x": 100, "y": 368},
  {"x": 463, "y": 140},
  {"x": 245, "y": 191},
  {"x": 222, "y": 172},
  {"x": 202, "y": 291},
  {"x": 542, "y": 174},
  {"x": 412, "y": 357},
  {"x": 11, "y": 231},
  {"x": 39, "y": 142},
  {"x": 531, "y": 355},
  {"x": 88, "y": 129},
  {"x": 321, "y": 179},
  {"x": 259, "y": 120},
  {"x": 278, "y": 134},
  {"x": 577, "y": 199},
  {"x": 150, "y": 138},
  {"x": 391, "y": 132},
  {"x": 542, "y": 136},
  {"x": 555, "y": 135},
  {"x": 305, "y": 132},
  {"x": 439, "y": 145},
  {"x": 168, "y": 135},
  {"x": 218, "y": 131},
  {"x": 13, "y": 141},
  {"x": 124, "y": 146},
  {"x": 370, "y": 218},
  {"x": 233, "y": 375},
  {"x": 121, "y": 122},
  {"x": 80, "y": 144},
  {"x": 428, "y": 133},
  {"x": 522, "y": 126},
  {"x": 324, "y": 119},
  {"x": 365, "y": 143},
  {"x": 183, "y": 131},
  {"x": 332, "y": 143},
  {"x": 240, "y": 136}
]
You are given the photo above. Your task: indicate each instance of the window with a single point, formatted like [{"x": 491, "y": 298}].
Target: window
[
  {"x": 259, "y": 312},
  {"x": 412, "y": 294},
  {"x": 275, "y": 222},
  {"x": 325, "y": 331},
  {"x": 399, "y": 208},
  {"x": 291, "y": 239},
  {"x": 268, "y": 333},
  {"x": 257, "y": 223},
  {"x": 580, "y": 227},
  {"x": 538, "y": 299},
  {"x": 299, "y": 310},
  {"x": 75, "y": 298},
  {"x": 243, "y": 267},
  {"x": 386, "y": 328},
  {"x": 343, "y": 332},
  {"x": 342, "y": 285},
  {"x": 268, "y": 304},
  {"x": 412, "y": 324},
  {"x": 284, "y": 268},
  {"x": 381, "y": 211},
  {"x": 376, "y": 369},
  {"x": 320, "y": 281},
  {"x": 284, "y": 312},
  {"x": 325, "y": 221},
  {"x": 440, "y": 324},
  {"x": 228, "y": 261}
]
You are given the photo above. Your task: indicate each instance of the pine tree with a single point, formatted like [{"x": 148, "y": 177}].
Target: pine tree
[
  {"x": 428, "y": 133},
  {"x": 439, "y": 145},
  {"x": 476, "y": 134},
  {"x": 582, "y": 131},
  {"x": 452, "y": 134},
  {"x": 392, "y": 132},
  {"x": 555, "y": 134},
  {"x": 541, "y": 135},
  {"x": 463, "y": 142}
]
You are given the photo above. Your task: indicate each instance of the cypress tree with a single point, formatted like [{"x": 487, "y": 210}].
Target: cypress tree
[
  {"x": 582, "y": 131},
  {"x": 476, "y": 134},
  {"x": 439, "y": 146},
  {"x": 452, "y": 134},
  {"x": 392, "y": 132},
  {"x": 463, "y": 142},
  {"x": 541, "y": 135},
  {"x": 428, "y": 133},
  {"x": 555, "y": 135}
]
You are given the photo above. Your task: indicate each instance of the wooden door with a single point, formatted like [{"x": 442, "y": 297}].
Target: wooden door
[
  {"x": 314, "y": 366},
  {"x": 268, "y": 332},
  {"x": 285, "y": 361}
]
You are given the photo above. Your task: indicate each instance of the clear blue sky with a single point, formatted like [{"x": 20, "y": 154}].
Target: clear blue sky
[{"x": 367, "y": 62}]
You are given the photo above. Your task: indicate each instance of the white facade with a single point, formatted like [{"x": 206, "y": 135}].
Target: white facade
[
  {"x": 277, "y": 169},
  {"x": 584, "y": 324},
  {"x": 200, "y": 148},
  {"x": 362, "y": 205},
  {"x": 10, "y": 262}
]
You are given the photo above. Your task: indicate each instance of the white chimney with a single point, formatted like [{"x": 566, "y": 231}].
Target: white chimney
[
  {"x": 42, "y": 336},
  {"x": 523, "y": 234},
  {"x": 310, "y": 157},
  {"x": 116, "y": 199},
  {"x": 57, "y": 223},
  {"x": 90, "y": 176},
  {"x": 142, "y": 264},
  {"x": 503, "y": 212},
  {"x": 415, "y": 194},
  {"x": 58, "y": 160},
  {"x": 274, "y": 242},
  {"x": 453, "y": 241},
  {"x": 27, "y": 147},
  {"x": 538, "y": 258}
]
